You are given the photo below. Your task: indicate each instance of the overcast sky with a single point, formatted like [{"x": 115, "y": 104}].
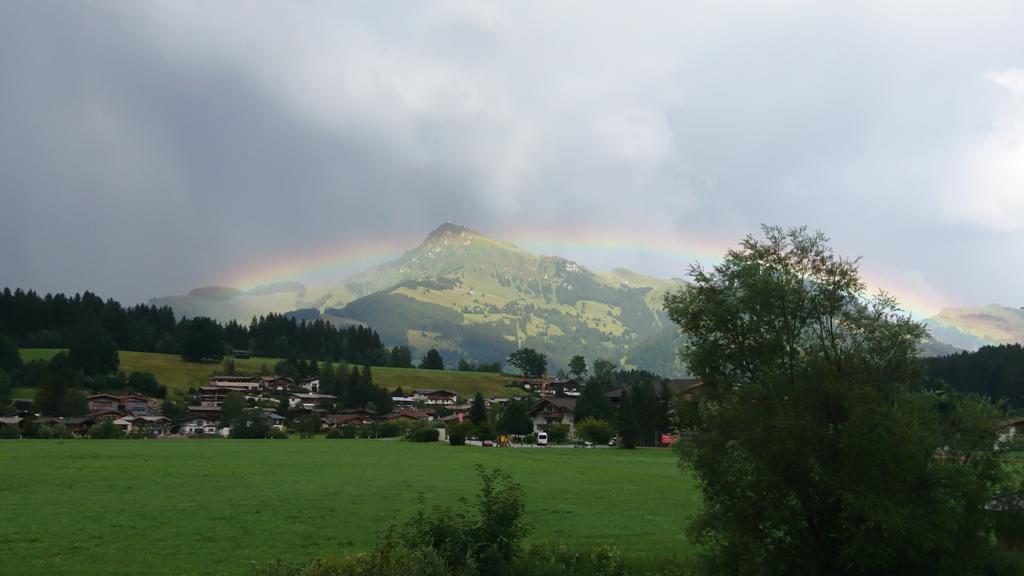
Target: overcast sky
[{"x": 147, "y": 148}]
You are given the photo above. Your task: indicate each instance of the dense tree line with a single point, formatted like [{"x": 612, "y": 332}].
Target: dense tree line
[
  {"x": 993, "y": 371},
  {"x": 55, "y": 320},
  {"x": 49, "y": 321}
]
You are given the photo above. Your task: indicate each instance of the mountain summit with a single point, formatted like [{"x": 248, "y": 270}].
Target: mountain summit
[{"x": 474, "y": 297}]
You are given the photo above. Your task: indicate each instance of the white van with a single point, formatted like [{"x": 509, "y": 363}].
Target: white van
[{"x": 542, "y": 438}]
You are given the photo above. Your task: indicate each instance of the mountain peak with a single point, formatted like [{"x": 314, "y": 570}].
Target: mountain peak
[{"x": 447, "y": 231}]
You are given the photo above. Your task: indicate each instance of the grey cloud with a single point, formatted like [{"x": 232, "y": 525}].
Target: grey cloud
[{"x": 152, "y": 147}]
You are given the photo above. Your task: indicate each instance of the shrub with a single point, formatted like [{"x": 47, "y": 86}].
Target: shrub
[
  {"x": 457, "y": 432},
  {"x": 424, "y": 434},
  {"x": 277, "y": 434},
  {"x": 335, "y": 433},
  {"x": 9, "y": 432},
  {"x": 558, "y": 433},
  {"x": 530, "y": 438},
  {"x": 348, "y": 431},
  {"x": 484, "y": 431},
  {"x": 595, "y": 430},
  {"x": 105, "y": 430},
  {"x": 389, "y": 430}
]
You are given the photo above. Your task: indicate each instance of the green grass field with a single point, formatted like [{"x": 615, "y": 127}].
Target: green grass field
[
  {"x": 216, "y": 506},
  {"x": 179, "y": 376}
]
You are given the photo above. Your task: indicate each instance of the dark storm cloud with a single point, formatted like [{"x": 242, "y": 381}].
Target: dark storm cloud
[{"x": 148, "y": 148}]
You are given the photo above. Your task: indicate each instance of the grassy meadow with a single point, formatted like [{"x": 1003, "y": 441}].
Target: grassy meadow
[
  {"x": 178, "y": 375},
  {"x": 215, "y": 506}
]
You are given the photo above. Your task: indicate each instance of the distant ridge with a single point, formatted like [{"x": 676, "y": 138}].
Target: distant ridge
[{"x": 474, "y": 297}]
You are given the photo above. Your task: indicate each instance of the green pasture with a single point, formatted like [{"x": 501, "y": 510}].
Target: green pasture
[
  {"x": 179, "y": 376},
  {"x": 181, "y": 507}
]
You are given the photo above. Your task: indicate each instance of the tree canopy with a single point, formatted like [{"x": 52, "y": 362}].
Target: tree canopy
[
  {"x": 813, "y": 440},
  {"x": 432, "y": 360},
  {"x": 531, "y": 363}
]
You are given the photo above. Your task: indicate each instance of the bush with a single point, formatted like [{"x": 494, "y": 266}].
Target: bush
[
  {"x": 105, "y": 430},
  {"x": 55, "y": 432},
  {"x": 9, "y": 432},
  {"x": 595, "y": 430},
  {"x": 457, "y": 432},
  {"x": 277, "y": 434},
  {"x": 389, "y": 430},
  {"x": 348, "y": 431},
  {"x": 335, "y": 433},
  {"x": 558, "y": 433},
  {"x": 530, "y": 438},
  {"x": 484, "y": 431},
  {"x": 424, "y": 434}
]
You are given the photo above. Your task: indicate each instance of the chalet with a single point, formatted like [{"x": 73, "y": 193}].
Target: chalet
[
  {"x": 245, "y": 384},
  {"x": 308, "y": 384},
  {"x": 309, "y": 401},
  {"x": 1011, "y": 429},
  {"x": 79, "y": 425},
  {"x": 276, "y": 420},
  {"x": 552, "y": 410},
  {"x": 197, "y": 424},
  {"x": 212, "y": 396},
  {"x": 363, "y": 412},
  {"x": 437, "y": 397},
  {"x": 16, "y": 421},
  {"x": 338, "y": 420},
  {"x": 561, "y": 387},
  {"x": 688, "y": 388},
  {"x": 279, "y": 383},
  {"x": 403, "y": 400},
  {"x": 128, "y": 404},
  {"x": 208, "y": 412},
  {"x": 150, "y": 425},
  {"x": 409, "y": 415}
]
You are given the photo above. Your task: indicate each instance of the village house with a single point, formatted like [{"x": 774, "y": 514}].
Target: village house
[
  {"x": 436, "y": 397},
  {"x": 338, "y": 420},
  {"x": 208, "y": 412},
  {"x": 128, "y": 404},
  {"x": 309, "y": 401},
  {"x": 278, "y": 383},
  {"x": 1011, "y": 429},
  {"x": 15, "y": 421},
  {"x": 155, "y": 426},
  {"x": 247, "y": 385},
  {"x": 552, "y": 410},
  {"x": 212, "y": 396},
  {"x": 197, "y": 424},
  {"x": 410, "y": 415},
  {"x": 561, "y": 387},
  {"x": 308, "y": 384}
]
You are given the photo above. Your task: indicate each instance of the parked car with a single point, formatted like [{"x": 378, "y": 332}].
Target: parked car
[
  {"x": 487, "y": 444},
  {"x": 611, "y": 442},
  {"x": 542, "y": 438}
]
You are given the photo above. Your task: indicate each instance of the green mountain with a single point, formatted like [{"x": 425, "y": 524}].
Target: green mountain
[
  {"x": 474, "y": 297},
  {"x": 477, "y": 298}
]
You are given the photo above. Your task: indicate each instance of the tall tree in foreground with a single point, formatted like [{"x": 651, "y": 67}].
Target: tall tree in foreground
[{"x": 816, "y": 449}]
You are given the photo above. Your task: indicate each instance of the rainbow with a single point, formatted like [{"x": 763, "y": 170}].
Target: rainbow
[{"x": 663, "y": 255}]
